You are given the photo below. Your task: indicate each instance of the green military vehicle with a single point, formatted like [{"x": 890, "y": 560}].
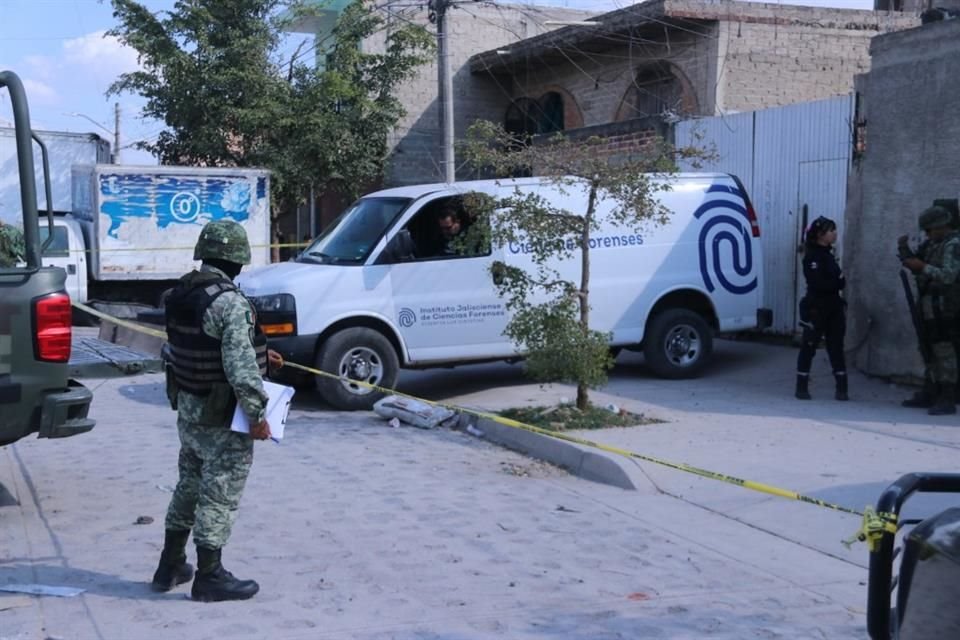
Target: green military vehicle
[{"x": 36, "y": 394}]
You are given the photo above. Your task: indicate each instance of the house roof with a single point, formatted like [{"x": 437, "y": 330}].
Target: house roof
[{"x": 656, "y": 15}]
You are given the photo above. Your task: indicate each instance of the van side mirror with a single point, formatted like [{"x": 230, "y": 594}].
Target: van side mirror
[{"x": 400, "y": 248}]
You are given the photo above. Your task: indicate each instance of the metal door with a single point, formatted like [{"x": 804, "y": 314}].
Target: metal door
[{"x": 821, "y": 191}]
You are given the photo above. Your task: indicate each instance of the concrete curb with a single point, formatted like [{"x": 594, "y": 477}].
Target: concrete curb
[{"x": 581, "y": 461}]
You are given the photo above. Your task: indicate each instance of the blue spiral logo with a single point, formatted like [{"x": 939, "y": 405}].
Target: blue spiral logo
[
  {"x": 726, "y": 232},
  {"x": 406, "y": 317}
]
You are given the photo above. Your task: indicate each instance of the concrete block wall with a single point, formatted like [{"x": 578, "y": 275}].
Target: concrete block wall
[
  {"x": 797, "y": 56},
  {"x": 599, "y": 83},
  {"x": 910, "y": 159},
  {"x": 416, "y": 152}
]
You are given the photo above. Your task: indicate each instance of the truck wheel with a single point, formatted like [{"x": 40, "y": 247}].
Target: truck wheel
[
  {"x": 359, "y": 354},
  {"x": 678, "y": 343}
]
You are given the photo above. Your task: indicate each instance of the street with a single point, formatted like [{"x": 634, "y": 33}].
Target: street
[{"x": 358, "y": 530}]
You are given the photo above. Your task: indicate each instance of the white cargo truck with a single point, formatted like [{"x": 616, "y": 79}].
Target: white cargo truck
[
  {"x": 371, "y": 295},
  {"x": 131, "y": 230},
  {"x": 125, "y": 233}
]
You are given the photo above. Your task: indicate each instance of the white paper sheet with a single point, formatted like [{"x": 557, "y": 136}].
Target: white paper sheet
[{"x": 278, "y": 406}]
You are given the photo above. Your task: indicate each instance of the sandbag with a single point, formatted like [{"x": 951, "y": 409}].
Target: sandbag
[{"x": 410, "y": 411}]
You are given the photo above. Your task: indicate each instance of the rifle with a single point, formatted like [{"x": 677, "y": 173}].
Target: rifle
[{"x": 925, "y": 350}]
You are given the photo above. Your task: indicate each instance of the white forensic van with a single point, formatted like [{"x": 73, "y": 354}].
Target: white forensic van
[{"x": 369, "y": 296}]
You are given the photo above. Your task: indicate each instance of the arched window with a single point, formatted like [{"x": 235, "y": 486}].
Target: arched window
[
  {"x": 656, "y": 91},
  {"x": 521, "y": 117},
  {"x": 550, "y": 117}
]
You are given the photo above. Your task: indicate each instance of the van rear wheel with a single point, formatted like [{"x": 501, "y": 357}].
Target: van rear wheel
[
  {"x": 678, "y": 343},
  {"x": 357, "y": 355}
]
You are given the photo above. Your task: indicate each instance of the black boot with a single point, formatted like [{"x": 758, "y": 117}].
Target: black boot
[
  {"x": 841, "y": 393},
  {"x": 802, "y": 392},
  {"x": 173, "y": 568},
  {"x": 215, "y": 584},
  {"x": 946, "y": 402},
  {"x": 922, "y": 399}
]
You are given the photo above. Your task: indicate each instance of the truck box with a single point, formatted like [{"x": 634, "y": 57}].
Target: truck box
[
  {"x": 140, "y": 223},
  {"x": 66, "y": 150}
]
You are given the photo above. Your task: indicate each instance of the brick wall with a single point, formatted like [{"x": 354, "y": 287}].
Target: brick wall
[
  {"x": 807, "y": 58},
  {"x": 729, "y": 56},
  {"x": 416, "y": 153}
]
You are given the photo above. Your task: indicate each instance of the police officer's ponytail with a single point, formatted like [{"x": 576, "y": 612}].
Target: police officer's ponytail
[{"x": 817, "y": 228}]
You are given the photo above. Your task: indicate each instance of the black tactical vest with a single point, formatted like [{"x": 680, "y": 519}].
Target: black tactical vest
[{"x": 194, "y": 356}]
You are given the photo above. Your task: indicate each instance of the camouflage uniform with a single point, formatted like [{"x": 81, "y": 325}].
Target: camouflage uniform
[
  {"x": 12, "y": 249},
  {"x": 938, "y": 285},
  {"x": 940, "y": 304},
  {"x": 206, "y": 497},
  {"x": 215, "y": 359}
]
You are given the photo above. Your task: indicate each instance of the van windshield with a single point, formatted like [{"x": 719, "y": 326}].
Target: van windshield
[{"x": 351, "y": 237}]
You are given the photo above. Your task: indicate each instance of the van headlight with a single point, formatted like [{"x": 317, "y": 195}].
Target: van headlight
[
  {"x": 278, "y": 302},
  {"x": 276, "y": 314}
]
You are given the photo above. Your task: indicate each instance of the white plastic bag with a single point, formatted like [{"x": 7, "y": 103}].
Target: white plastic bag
[{"x": 414, "y": 412}]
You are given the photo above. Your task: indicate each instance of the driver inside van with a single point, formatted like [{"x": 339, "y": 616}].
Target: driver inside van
[{"x": 449, "y": 225}]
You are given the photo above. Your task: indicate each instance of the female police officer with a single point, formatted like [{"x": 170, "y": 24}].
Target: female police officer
[{"x": 822, "y": 308}]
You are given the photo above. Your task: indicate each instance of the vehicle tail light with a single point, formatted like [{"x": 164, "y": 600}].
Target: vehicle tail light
[
  {"x": 52, "y": 330},
  {"x": 752, "y": 217}
]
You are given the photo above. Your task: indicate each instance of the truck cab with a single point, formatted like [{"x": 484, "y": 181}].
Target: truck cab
[
  {"x": 36, "y": 394},
  {"x": 68, "y": 252}
]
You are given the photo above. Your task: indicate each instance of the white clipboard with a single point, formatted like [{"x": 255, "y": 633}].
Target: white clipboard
[{"x": 278, "y": 406}]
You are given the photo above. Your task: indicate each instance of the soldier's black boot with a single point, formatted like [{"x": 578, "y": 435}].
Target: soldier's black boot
[
  {"x": 213, "y": 583},
  {"x": 841, "y": 393},
  {"x": 946, "y": 402},
  {"x": 173, "y": 568},
  {"x": 802, "y": 392},
  {"x": 922, "y": 399}
]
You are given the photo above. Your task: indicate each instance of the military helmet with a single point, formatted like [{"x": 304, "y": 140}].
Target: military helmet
[
  {"x": 223, "y": 240},
  {"x": 934, "y": 217}
]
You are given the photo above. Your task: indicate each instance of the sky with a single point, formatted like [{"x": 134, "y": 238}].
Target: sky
[{"x": 59, "y": 50}]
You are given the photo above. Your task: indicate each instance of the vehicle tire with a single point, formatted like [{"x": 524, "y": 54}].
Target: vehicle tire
[
  {"x": 359, "y": 354},
  {"x": 678, "y": 343}
]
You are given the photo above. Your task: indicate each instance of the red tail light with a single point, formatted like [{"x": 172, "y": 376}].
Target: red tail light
[
  {"x": 752, "y": 217},
  {"x": 52, "y": 331}
]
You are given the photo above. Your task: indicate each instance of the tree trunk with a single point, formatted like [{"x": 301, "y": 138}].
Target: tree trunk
[{"x": 583, "y": 397}]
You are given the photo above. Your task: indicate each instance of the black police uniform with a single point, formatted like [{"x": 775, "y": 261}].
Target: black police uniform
[{"x": 822, "y": 314}]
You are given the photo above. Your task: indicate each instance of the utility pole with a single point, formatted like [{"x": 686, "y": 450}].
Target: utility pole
[
  {"x": 438, "y": 13},
  {"x": 116, "y": 133}
]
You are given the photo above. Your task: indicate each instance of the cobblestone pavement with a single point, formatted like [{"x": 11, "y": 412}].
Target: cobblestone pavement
[{"x": 358, "y": 530}]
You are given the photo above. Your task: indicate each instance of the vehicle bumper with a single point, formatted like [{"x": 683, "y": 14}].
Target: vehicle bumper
[
  {"x": 64, "y": 413},
  {"x": 299, "y": 349}
]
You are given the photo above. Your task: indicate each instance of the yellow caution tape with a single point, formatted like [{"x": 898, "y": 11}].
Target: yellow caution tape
[
  {"x": 748, "y": 484},
  {"x": 875, "y": 524},
  {"x": 298, "y": 245},
  {"x": 872, "y": 529},
  {"x": 123, "y": 323}
]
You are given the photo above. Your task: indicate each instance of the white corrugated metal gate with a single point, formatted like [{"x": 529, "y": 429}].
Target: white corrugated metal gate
[{"x": 793, "y": 161}]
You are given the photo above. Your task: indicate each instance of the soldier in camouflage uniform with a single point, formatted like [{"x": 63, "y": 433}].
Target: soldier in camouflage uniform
[
  {"x": 215, "y": 357},
  {"x": 11, "y": 245},
  {"x": 937, "y": 270}
]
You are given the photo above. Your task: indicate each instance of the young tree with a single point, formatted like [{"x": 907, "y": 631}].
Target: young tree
[
  {"x": 551, "y": 315},
  {"x": 212, "y": 72}
]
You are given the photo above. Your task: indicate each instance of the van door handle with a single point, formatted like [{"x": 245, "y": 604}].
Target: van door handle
[
  {"x": 72, "y": 269},
  {"x": 497, "y": 276}
]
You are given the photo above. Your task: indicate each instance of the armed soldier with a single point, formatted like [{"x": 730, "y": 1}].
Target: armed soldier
[
  {"x": 936, "y": 266},
  {"x": 216, "y": 356},
  {"x": 11, "y": 245}
]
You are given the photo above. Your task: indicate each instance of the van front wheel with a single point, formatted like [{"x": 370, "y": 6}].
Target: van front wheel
[
  {"x": 678, "y": 343},
  {"x": 357, "y": 355}
]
